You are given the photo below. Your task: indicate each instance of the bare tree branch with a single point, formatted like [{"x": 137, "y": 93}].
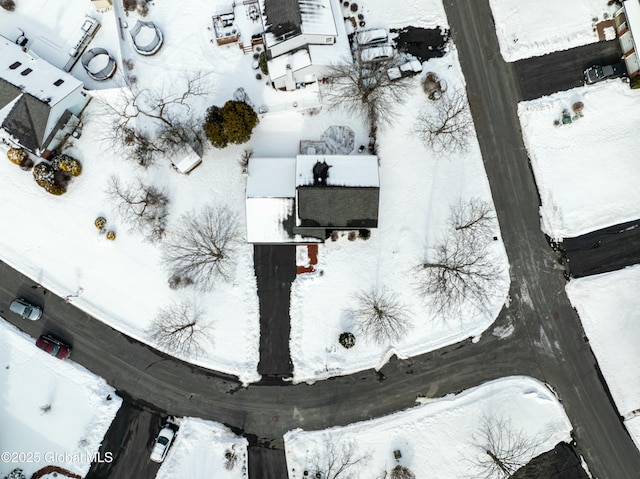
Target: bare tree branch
[
  {"x": 143, "y": 207},
  {"x": 501, "y": 449},
  {"x": 475, "y": 216},
  {"x": 337, "y": 460},
  {"x": 380, "y": 316},
  {"x": 179, "y": 328},
  {"x": 446, "y": 125},
  {"x": 202, "y": 247},
  {"x": 364, "y": 89}
]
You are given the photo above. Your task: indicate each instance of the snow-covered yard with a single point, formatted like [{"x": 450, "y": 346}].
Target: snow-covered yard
[
  {"x": 53, "y": 412},
  {"x": 529, "y": 29},
  {"x": 445, "y": 435},
  {"x": 417, "y": 189},
  {"x": 417, "y": 13},
  {"x": 586, "y": 171},
  {"x": 205, "y": 449},
  {"x": 608, "y": 306}
]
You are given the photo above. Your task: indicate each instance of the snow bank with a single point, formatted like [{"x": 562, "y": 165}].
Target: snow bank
[
  {"x": 55, "y": 412},
  {"x": 586, "y": 171},
  {"x": 442, "y": 434},
  {"x": 529, "y": 29}
]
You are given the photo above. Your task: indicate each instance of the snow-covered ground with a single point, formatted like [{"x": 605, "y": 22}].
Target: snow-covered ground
[
  {"x": 52, "y": 412},
  {"x": 529, "y": 29},
  {"x": 587, "y": 171},
  {"x": 417, "y": 189},
  {"x": 443, "y": 435},
  {"x": 205, "y": 449},
  {"x": 416, "y": 13},
  {"x": 608, "y": 306}
]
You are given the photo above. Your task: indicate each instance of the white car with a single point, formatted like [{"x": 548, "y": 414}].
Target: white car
[
  {"x": 162, "y": 443},
  {"x": 26, "y": 309}
]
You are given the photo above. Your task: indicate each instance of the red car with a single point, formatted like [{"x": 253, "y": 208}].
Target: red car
[{"x": 54, "y": 347}]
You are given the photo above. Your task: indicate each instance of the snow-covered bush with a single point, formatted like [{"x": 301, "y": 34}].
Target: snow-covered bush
[
  {"x": 16, "y": 155},
  {"x": 347, "y": 340},
  {"x": 17, "y": 473},
  {"x": 401, "y": 472},
  {"x": 111, "y": 235},
  {"x": 67, "y": 164},
  {"x": 8, "y": 5},
  {"x": 100, "y": 222},
  {"x": 44, "y": 175}
]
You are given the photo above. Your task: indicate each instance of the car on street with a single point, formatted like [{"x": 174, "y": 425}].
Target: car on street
[
  {"x": 597, "y": 73},
  {"x": 25, "y": 309},
  {"x": 162, "y": 443},
  {"x": 53, "y": 346}
]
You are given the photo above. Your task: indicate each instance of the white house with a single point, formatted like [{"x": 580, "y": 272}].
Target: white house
[
  {"x": 302, "y": 38},
  {"x": 627, "y": 21},
  {"x": 40, "y": 105}
]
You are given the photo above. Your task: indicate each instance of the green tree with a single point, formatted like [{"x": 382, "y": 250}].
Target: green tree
[{"x": 233, "y": 123}]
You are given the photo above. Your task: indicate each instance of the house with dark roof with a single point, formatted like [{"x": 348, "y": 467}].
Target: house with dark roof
[
  {"x": 302, "y": 38},
  {"x": 303, "y": 199},
  {"x": 40, "y": 105}
]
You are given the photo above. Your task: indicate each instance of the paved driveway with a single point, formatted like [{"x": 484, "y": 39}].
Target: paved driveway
[{"x": 563, "y": 70}]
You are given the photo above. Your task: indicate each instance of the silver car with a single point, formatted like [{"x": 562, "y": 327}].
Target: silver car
[{"x": 26, "y": 309}]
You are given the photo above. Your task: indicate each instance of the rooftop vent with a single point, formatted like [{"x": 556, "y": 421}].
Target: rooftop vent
[
  {"x": 25, "y": 72},
  {"x": 320, "y": 173},
  {"x": 15, "y": 65},
  {"x": 58, "y": 82}
]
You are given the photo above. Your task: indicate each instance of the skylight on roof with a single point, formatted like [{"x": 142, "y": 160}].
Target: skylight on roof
[
  {"x": 15, "y": 65},
  {"x": 25, "y": 72},
  {"x": 58, "y": 82}
]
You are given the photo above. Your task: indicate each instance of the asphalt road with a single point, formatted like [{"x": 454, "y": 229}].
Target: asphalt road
[
  {"x": 547, "y": 339},
  {"x": 563, "y": 70},
  {"x": 604, "y": 250},
  {"x": 542, "y": 310},
  {"x": 275, "y": 268}
]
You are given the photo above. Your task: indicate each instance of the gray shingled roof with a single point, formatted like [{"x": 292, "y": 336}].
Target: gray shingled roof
[
  {"x": 8, "y": 93},
  {"x": 27, "y": 121},
  {"x": 283, "y": 17},
  {"x": 338, "y": 206}
]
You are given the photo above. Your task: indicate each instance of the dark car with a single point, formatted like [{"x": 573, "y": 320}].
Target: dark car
[
  {"x": 53, "y": 346},
  {"x": 598, "y": 73}
]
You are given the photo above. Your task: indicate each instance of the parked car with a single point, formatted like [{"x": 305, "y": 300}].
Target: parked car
[
  {"x": 598, "y": 73},
  {"x": 25, "y": 309},
  {"x": 162, "y": 444},
  {"x": 53, "y": 346}
]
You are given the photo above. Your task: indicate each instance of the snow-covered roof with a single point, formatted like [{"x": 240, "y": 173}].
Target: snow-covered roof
[
  {"x": 33, "y": 75},
  {"x": 271, "y": 178},
  {"x": 345, "y": 170},
  {"x": 296, "y": 61},
  {"x": 188, "y": 162},
  {"x": 284, "y": 19},
  {"x": 632, "y": 13},
  {"x": 266, "y": 218}
]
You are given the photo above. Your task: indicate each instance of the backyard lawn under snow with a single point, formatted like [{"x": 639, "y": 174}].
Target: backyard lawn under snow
[
  {"x": 608, "y": 306},
  {"x": 443, "y": 436},
  {"x": 587, "y": 171},
  {"x": 53, "y": 412},
  {"x": 529, "y": 29}
]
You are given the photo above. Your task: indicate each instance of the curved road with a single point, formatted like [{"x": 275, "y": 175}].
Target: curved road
[{"x": 547, "y": 342}]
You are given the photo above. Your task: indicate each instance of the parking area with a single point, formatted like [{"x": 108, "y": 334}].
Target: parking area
[{"x": 563, "y": 70}]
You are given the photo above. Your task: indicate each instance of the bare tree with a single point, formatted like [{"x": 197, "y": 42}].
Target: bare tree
[
  {"x": 364, "y": 89},
  {"x": 337, "y": 460},
  {"x": 142, "y": 206},
  {"x": 380, "y": 315},
  {"x": 179, "y": 328},
  {"x": 141, "y": 124},
  {"x": 203, "y": 245},
  {"x": 460, "y": 271},
  {"x": 502, "y": 449},
  {"x": 446, "y": 124},
  {"x": 473, "y": 217}
]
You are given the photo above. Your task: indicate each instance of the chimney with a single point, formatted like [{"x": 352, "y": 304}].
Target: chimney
[{"x": 320, "y": 173}]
